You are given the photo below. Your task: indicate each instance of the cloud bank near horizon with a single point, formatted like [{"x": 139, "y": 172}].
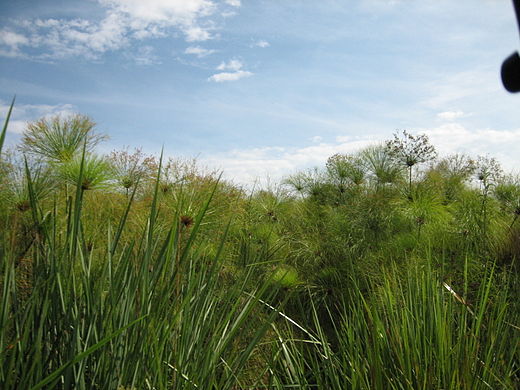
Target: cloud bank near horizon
[{"x": 251, "y": 165}]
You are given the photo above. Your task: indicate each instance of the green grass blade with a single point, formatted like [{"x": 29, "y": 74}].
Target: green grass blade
[
  {"x": 56, "y": 374},
  {"x": 6, "y": 122}
]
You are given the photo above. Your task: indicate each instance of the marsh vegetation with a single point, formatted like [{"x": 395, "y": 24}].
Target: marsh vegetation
[{"x": 389, "y": 268}]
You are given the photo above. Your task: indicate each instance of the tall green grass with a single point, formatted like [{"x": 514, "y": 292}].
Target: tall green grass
[
  {"x": 169, "y": 299},
  {"x": 410, "y": 332},
  {"x": 128, "y": 320},
  {"x": 131, "y": 320}
]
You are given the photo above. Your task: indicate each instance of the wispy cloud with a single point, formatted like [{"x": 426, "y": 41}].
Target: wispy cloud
[
  {"x": 230, "y": 76},
  {"x": 449, "y": 90},
  {"x": 450, "y": 115},
  {"x": 275, "y": 162},
  {"x": 198, "y": 51},
  {"x": 23, "y": 113},
  {"x": 231, "y": 65},
  {"x": 234, "y": 3},
  {"x": 124, "y": 22},
  {"x": 228, "y": 14},
  {"x": 12, "y": 39},
  {"x": 145, "y": 56},
  {"x": 197, "y": 34},
  {"x": 262, "y": 43},
  {"x": 235, "y": 66},
  {"x": 11, "y": 42},
  {"x": 455, "y": 138},
  {"x": 153, "y": 17}
]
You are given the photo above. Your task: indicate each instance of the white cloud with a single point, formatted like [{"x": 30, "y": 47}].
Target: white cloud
[
  {"x": 261, "y": 43},
  {"x": 229, "y": 76},
  {"x": 12, "y": 39},
  {"x": 231, "y": 65},
  {"x": 247, "y": 166},
  {"x": 11, "y": 42},
  {"x": 450, "y": 115},
  {"x": 58, "y": 39},
  {"x": 23, "y": 113},
  {"x": 237, "y": 73},
  {"x": 454, "y": 137},
  {"x": 452, "y": 89},
  {"x": 316, "y": 139},
  {"x": 145, "y": 56},
  {"x": 199, "y": 51},
  {"x": 197, "y": 34},
  {"x": 234, "y": 3},
  {"x": 124, "y": 22},
  {"x": 154, "y": 17},
  {"x": 228, "y": 14},
  {"x": 167, "y": 11}
]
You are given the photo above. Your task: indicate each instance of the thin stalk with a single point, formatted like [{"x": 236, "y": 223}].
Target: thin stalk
[{"x": 6, "y": 122}]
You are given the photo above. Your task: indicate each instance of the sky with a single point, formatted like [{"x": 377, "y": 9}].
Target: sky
[{"x": 264, "y": 88}]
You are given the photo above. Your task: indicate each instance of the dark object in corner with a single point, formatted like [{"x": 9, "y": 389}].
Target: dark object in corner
[{"x": 510, "y": 71}]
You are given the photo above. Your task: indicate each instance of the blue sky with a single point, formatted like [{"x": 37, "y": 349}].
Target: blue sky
[{"x": 264, "y": 88}]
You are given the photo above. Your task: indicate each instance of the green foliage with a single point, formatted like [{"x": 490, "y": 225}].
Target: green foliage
[
  {"x": 166, "y": 277},
  {"x": 425, "y": 209},
  {"x": 86, "y": 323},
  {"x": 6, "y": 123},
  {"x": 507, "y": 193},
  {"x": 91, "y": 171},
  {"x": 298, "y": 182},
  {"x": 14, "y": 190},
  {"x": 451, "y": 174},
  {"x": 60, "y": 139},
  {"x": 413, "y": 332},
  {"x": 286, "y": 276},
  {"x": 380, "y": 166},
  {"x": 488, "y": 171},
  {"x": 345, "y": 170},
  {"x": 131, "y": 168},
  {"x": 409, "y": 149}
]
